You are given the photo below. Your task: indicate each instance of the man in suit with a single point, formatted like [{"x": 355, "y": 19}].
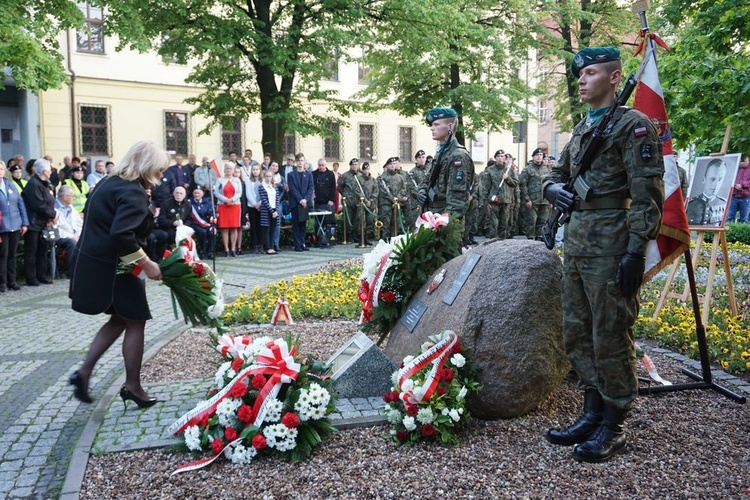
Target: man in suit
[{"x": 300, "y": 183}]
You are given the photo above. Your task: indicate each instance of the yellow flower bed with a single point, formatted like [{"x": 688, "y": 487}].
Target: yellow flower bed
[
  {"x": 329, "y": 293},
  {"x": 727, "y": 335}
]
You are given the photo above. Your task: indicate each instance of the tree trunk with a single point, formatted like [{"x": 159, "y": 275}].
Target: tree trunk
[{"x": 458, "y": 106}]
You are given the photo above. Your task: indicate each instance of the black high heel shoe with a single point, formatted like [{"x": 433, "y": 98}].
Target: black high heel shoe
[
  {"x": 81, "y": 391},
  {"x": 126, "y": 395}
]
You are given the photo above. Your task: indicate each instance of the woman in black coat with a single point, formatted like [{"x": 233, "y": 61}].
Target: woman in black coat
[{"x": 115, "y": 230}]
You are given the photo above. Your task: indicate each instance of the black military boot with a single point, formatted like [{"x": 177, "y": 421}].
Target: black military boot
[
  {"x": 607, "y": 441},
  {"x": 585, "y": 426}
]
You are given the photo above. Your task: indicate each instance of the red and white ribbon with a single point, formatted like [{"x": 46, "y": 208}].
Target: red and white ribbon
[
  {"x": 651, "y": 368},
  {"x": 275, "y": 360},
  {"x": 437, "y": 355},
  {"x": 377, "y": 281},
  {"x": 282, "y": 313},
  {"x": 432, "y": 221},
  {"x": 233, "y": 347}
]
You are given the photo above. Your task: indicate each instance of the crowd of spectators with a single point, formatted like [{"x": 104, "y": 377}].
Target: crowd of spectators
[{"x": 246, "y": 204}]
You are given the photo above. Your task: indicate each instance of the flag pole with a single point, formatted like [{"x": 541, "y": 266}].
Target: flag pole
[{"x": 705, "y": 379}]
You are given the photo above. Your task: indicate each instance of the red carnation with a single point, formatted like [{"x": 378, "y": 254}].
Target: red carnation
[
  {"x": 258, "y": 381},
  {"x": 259, "y": 442},
  {"x": 245, "y": 414},
  {"x": 217, "y": 445},
  {"x": 230, "y": 434},
  {"x": 205, "y": 284},
  {"x": 457, "y": 347},
  {"x": 387, "y": 297},
  {"x": 402, "y": 436},
  {"x": 237, "y": 364},
  {"x": 204, "y": 421},
  {"x": 441, "y": 391},
  {"x": 290, "y": 420},
  {"x": 387, "y": 397},
  {"x": 395, "y": 396},
  {"x": 428, "y": 430},
  {"x": 199, "y": 269},
  {"x": 446, "y": 375},
  {"x": 238, "y": 390},
  {"x": 411, "y": 410}
]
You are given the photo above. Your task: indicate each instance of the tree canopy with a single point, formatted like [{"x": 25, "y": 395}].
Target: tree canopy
[
  {"x": 28, "y": 41},
  {"x": 706, "y": 76}
]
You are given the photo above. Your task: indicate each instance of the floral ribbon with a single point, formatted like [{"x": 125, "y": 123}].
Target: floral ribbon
[
  {"x": 437, "y": 355},
  {"x": 377, "y": 281},
  {"x": 432, "y": 220},
  {"x": 651, "y": 368},
  {"x": 275, "y": 360},
  {"x": 233, "y": 346}
]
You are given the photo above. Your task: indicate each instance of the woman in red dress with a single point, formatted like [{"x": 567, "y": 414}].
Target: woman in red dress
[{"x": 228, "y": 190}]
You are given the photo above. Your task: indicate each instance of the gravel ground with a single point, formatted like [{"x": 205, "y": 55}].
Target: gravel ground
[{"x": 691, "y": 444}]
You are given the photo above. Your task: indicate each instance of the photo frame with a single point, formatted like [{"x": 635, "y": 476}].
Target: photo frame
[{"x": 710, "y": 189}]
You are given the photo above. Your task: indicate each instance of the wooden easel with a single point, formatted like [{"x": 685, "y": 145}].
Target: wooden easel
[{"x": 719, "y": 237}]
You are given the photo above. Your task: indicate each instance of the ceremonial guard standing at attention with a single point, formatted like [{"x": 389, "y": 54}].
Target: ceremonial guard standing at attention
[
  {"x": 537, "y": 208},
  {"x": 498, "y": 193},
  {"x": 603, "y": 255},
  {"x": 370, "y": 187},
  {"x": 391, "y": 186},
  {"x": 350, "y": 187},
  {"x": 448, "y": 186}
]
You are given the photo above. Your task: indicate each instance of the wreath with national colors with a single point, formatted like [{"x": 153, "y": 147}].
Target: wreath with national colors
[
  {"x": 428, "y": 399},
  {"x": 394, "y": 271},
  {"x": 266, "y": 399}
]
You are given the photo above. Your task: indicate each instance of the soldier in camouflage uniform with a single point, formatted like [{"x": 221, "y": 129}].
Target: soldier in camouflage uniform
[
  {"x": 499, "y": 190},
  {"x": 391, "y": 187},
  {"x": 531, "y": 195},
  {"x": 409, "y": 208},
  {"x": 350, "y": 187},
  {"x": 448, "y": 186},
  {"x": 483, "y": 209},
  {"x": 370, "y": 187},
  {"x": 516, "y": 225},
  {"x": 605, "y": 245},
  {"x": 419, "y": 173}
]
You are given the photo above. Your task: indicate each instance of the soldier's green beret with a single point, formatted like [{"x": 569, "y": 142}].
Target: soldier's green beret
[
  {"x": 438, "y": 113},
  {"x": 593, "y": 55}
]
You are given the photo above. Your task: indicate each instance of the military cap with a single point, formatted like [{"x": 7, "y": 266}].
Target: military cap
[
  {"x": 537, "y": 151},
  {"x": 392, "y": 159},
  {"x": 14, "y": 168},
  {"x": 365, "y": 166},
  {"x": 508, "y": 155},
  {"x": 76, "y": 168},
  {"x": 593, "y": 55},
  {"x": 550, "y": 157},
  {"x": 499, "y": 152},
  {"x": 438, "y": 113},
  {"x": 353, "y": 161},
  {"x": 420, "y": 153}
]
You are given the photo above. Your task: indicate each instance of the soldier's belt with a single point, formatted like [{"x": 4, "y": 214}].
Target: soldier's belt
[{"x": 602, "y": 204}]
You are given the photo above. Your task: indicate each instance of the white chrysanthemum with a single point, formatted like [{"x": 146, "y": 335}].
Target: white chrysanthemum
[
  {"x": 407, "y": 386},
  {"x": 418, "y": 391},
  {"x": 273, "y": 413},
  {"x": 193, "y": 438},
  {"x": 219, "y": 377},
  {"x": 394, "y": 377},
  {"x": 455, "y": 416},
  {"x": 318, "y": 412},
  {"x": 394, "y": 417},
  {"x": 425, "y": 416},
  {"x": 445, "y": 411},
  {"x": 409, "y": 423},
  {"x": 280, "y": 437},
  {"x": 239, "y": 454},
  {"x": 227, "y": 406},
  {"x": 371, "y": 260},
  {"x": 462, "y": 393},
  {"x": 458, "y": 360},
  {"x": 231, "y": 373},
  {"x": 215, "y": 310}
]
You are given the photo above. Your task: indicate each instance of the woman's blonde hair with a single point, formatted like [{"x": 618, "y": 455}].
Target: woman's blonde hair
[{"x": 144, "y": 160}]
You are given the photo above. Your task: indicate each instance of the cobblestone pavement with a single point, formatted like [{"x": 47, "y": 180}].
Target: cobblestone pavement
[{"x": 42, "y": 341}]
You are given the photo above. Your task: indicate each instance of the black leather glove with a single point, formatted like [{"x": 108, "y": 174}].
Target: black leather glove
[
  {"x": 421, "y": 197},
  {"x": 630, "y": 273},
  {"x": 559, "y": 197}
]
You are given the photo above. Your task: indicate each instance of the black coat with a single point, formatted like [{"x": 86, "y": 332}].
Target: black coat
[
  {"x": 117, "y": 224},
  {"x": 40, "y": 205}
]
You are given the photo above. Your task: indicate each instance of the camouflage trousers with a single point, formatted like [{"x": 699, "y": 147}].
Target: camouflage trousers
[
  {"x": 598, "y": 328},
  {"x": 536, "y": 217},
  {"x": 351, "y": 220},
  {"x": 499, "y": 220},
  {"x": 471, "y": 219},
  {"x": 385, "y": 215}
]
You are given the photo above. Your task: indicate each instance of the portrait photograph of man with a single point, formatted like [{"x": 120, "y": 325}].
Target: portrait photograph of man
[{"x": 710, "y": 189}]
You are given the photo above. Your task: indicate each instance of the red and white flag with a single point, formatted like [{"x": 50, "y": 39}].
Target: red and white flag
[
  {"x": 674, "y": 234},
  {"x": 216, "y": 166}
]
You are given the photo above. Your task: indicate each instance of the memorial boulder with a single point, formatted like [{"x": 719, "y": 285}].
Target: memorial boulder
[{"x": 508, "y": 314}]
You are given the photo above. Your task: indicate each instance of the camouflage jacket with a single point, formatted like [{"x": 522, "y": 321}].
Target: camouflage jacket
[
  {"x": 420, "y": 174},
  {"x": 531, "y": 183},
  {"x": 391, "y": 185},
  {"x": 456, "y": 173},
  {"x": 628, "y": 165},
  {"x": 494, "y": 178},
  {"x": 349, "y": 188}
]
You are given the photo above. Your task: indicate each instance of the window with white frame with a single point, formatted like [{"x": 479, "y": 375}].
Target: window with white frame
[{"x": 91, "y": 37}]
